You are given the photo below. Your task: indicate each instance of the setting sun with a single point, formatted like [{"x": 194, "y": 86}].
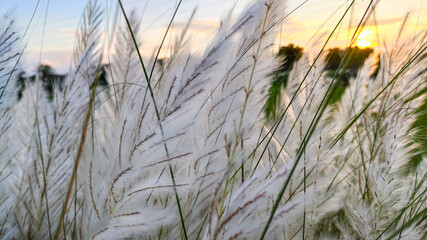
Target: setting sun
[{"x": 362, "y": 41}]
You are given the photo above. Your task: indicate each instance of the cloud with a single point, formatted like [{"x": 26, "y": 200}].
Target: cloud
[{"x": 199, "y": 24}]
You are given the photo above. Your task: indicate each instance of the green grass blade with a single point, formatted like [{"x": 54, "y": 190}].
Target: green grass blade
[{"x": 158, "y": 116}]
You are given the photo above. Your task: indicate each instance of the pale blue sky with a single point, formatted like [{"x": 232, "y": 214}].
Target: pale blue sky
[{"x": 63, "y": 17}]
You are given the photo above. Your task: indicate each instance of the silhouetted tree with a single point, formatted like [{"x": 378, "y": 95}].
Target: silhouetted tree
[
  {"x": 102, "y": 81},
  {"x": 20, "y": 83},
  {"x": 289, "y": 55},
  {"x": 349, "y": 66},
  {"x": 48, "y": 78},
  {"x": 46, "y": 75}
]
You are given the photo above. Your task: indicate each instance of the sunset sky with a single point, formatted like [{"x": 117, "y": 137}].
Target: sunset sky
[{"x": 63, "y": 17}]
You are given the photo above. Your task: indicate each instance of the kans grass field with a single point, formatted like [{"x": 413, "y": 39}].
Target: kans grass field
[{"x": 243, "y": 134}]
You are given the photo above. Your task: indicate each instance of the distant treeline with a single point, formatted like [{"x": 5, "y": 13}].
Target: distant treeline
[
  {"x": 49, "y": 78},
  {"x": 355, "y": 57}
]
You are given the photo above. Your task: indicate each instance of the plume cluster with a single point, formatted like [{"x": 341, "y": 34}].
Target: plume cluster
[{"x": 183, "y": 150}]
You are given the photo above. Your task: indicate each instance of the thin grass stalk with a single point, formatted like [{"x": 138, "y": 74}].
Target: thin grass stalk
[
  {"x": 255, "y": 57},
  {"x": 401, "y": 213},
  {"x": 279, "y": 119},
  {"x": 240, "y": 58},
  {"x": 345, "y": 61},
  {"x": 222, "y": 79},
  {"x": 402, "y": 70},
  {"x": 109, "y": 43},
  {"x": 311, "y": 128},
  {"x": 176, "y": 48},
  {"x": 229, "y": 204},
  {"x": 248, "y": 89},
  {"x": 44, "y": 192},
  {"x": 80, "y": 149},
  {"x": 421, "y": 216},
  {"x": 235, "y": 63},
  {"x": 23, "y": 49},
  {"x": 163, "y": 39},
  {"x": 300, "y": 151},
  {"x": 158, "y": 116},
  {"x": 277, "y": 123},
  {"x": 296, "y": 120}
]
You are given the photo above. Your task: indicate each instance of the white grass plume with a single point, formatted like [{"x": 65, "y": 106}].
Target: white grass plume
[{"x": 228, "y": 166}]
